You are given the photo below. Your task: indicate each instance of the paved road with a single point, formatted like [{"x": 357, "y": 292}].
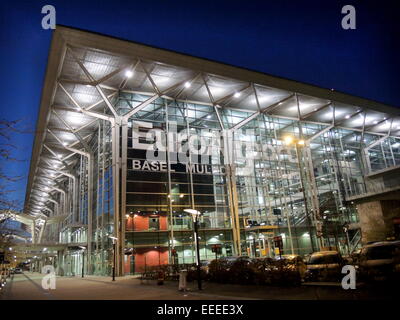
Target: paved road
[{"x": 27, "y": 286}]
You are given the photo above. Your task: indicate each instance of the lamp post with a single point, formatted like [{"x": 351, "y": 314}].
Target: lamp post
[
  {"x": 299, "y": 142},
  {"x": 195, "y": 216},
  {"x": 114, "y": 240},
  {"x": 83, "y": 260}
]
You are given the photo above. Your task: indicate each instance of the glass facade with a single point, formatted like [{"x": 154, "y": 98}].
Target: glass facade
[
  {"x": 247, "y": 177},
  {"x": 122, "y": 155}
]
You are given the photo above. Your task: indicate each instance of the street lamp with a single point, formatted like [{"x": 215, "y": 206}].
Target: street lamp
[
  {"x": 83, "y": 260},
  {"x": 195, "y": 216},
  {"x": 114, "y": 240},
  {"x": 300, "y": 143}
]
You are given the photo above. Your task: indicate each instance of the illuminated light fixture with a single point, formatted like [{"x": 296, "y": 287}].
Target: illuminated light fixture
[
  {"x": 209, "y": 116},
  {"x": 181, "y": 196},
  {"x": 347, "y": 116},
  {"x": 127, "y": 216},
  {"x": 288, "y": 139},
  {"x": 375, "y": 122},
  {"x": 59, "y": 156},
  {"x": 187, "y": 84},
  {"x": 128, "y": 74},
  {"x": 64, "y": 144},
  {"x": 301, "y": 142},
  {"x": 237, "y": 94},
  {"x": 193, "y": 212}
]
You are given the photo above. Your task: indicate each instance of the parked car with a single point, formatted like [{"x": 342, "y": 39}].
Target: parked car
[
  {"x": 380, "y": 261},
  {"x": 291, "y": 268},
  {"x": 324, "y": 266},
  {"x": 297, "y": 261},
  {"x": 204, "y": 265},
  {"x": 355, "y": 257},
  {"x": 18, "y": 271}
]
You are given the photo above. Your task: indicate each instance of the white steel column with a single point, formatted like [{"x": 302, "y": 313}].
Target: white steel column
[
  {"x": 115, "y": 134},
  {"x": 124, "y": 169}
]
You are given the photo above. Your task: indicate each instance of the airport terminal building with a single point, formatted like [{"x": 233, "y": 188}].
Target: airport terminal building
[{"x": 129, "y": 136}]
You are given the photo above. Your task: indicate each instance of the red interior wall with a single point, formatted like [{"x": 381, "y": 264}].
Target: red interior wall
[
  {"x": 163, "y": 223},
  {"x": 150, "y": 256},
  {"x": 140, "y": 223}
]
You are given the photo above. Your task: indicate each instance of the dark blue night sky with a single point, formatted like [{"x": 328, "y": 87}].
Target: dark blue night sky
[{"x": 299, "y": 40}]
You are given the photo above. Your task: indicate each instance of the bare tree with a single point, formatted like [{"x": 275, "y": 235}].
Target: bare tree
[{"x": 7, "y": 203}]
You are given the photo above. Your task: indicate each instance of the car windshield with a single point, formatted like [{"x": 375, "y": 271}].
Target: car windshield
[
  {"x": 324, "y": 259},
  {"x": 381, "y": 252}
]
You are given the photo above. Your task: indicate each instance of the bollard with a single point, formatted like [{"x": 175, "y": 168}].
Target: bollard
[
  {"x": 182, "y": 280},
  {"x": 160, "y": 278}
]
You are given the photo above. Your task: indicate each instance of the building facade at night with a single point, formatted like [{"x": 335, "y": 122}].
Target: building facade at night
[{"x": 129, "y": 136}]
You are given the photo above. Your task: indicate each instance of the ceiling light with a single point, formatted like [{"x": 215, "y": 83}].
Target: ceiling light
[
  {"x": 64, "y": 143},
  {"x": 237, "y": 94},
  {"x": 59, "y": 156},
  {"x": 347, "y": 116},
  {"x": 288, "y": 139},
  {"x": 128, "y": 74},
  {"x": 375, "y": 122},
  {"x": 187, "y": 84}
]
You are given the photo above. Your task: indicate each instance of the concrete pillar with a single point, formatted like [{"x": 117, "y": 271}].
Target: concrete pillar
[{"x": 376, "y": 219}]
